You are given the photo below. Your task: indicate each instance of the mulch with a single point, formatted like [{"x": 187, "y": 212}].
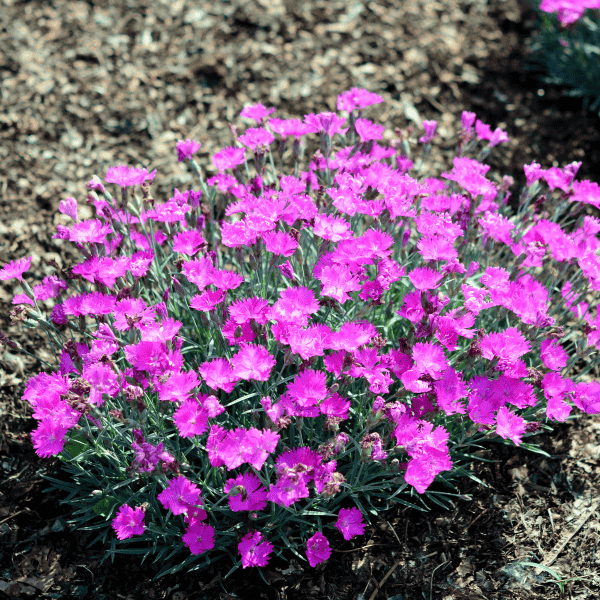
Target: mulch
[{"x": 89, "y": 85}]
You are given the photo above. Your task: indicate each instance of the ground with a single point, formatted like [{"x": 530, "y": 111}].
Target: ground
[{"x": 88, "y": 85}]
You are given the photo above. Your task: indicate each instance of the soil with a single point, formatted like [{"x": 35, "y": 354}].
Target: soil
[{"x": 91, "y": 84}]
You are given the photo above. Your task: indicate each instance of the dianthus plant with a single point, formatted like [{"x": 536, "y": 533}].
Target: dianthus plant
[{"x": 258, "y": 366}]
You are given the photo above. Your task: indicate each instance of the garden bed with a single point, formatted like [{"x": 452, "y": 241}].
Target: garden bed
[{"x": 86, "y": 87}]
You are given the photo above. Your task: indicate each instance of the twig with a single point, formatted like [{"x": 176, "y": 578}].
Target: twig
[
  {"x": 560, "y": 546},
  {"x": 357, "y": 549},
  {"x": 14, "y": 515},
  {"x": 476, "y": 518},
  {"x": 431, "y": 580},
  {"x": 385, "y": 578}
]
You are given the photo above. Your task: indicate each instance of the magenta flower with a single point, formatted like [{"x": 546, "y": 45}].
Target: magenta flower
[
  {"x": 92, "y": 231},
  {"x": 15, "y": 269},
  {"x": 49, "y": 438},
  {"x": 50, "y": 287},
  {"x": 332, "y": 228},
  {"x": 186, "y": 149},
  {"x": 257, "y": 112},
  {"x": 424, "y": 278},
  {"x": 429, "y": 358},
  {"x": 288, "y": 127},
  {"x": 246, "y": 493},
  {"x": 191, "y": 419},
  {"x": 467, "y": 119},
  {"x": 69, "y": 207},
  {"x": 317, "y": 549},
  {"x": 255, "y": 137},
  {"x": 125, "y": 176},
  {"x": 218, "y": 374},
  {"x": 350, "y": 522},
  {"x": 207, "y": 300},
  {"x": 280, "y": 242},
  {"x": 367, "y": 130},
  {"x": 422, "y": 470},
  {"x": 252, "y": 362},
  {"x": 308, "y": 387},
  {"x": 429, "y": 127},
  {"x": 337, "y": 282},
  {"x": 129, "y": 521},
  {"x": 255, "y": 552},
  {"x": 327, "y": 123},
  {"x": 224, "y": 279},
  {"x": 228, "y": 158},
  {"x": 294, "y": 305},
  {"x": 357, "y": 98},
  {"x": 199, "y": 538},
  {"x": 179, "y": 496},
  {"x": 509, "y": 425},
  {"x": 508, "y": 345},
  {"x": 188, "y": 242},
  {"x": 553, "y": 355}
]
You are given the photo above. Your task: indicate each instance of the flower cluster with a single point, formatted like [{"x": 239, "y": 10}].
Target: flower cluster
[
  {"x": 348, "y": 331},
  {"x": 568, "y": 11}
]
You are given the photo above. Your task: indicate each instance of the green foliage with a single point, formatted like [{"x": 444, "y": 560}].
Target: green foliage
[{"x": 570, "y": 55}]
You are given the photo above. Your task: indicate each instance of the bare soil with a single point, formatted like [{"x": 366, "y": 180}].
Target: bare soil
[{"x": 88, "y": 85}]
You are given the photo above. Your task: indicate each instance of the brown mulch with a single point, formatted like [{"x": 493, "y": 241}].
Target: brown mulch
[{"x": 88, "y": 85}]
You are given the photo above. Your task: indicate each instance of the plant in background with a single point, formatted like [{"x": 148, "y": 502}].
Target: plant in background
[
  {"x": 246, "y": 368},
  {"x": 567, "y": 47}
]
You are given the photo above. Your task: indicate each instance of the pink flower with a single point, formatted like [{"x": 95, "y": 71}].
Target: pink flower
[
  {"x": 129, "y": 522},
  {"x": 280, "y": 242},
  {"x": 337, "y": 281},
  {"x": 350, "y": 522},
  {"x": 255, "y": 137},
  {"x": 422, "y": 470},
  {"x": 228, "y": 158},
  {"x": 508, "y": 345},
  {"x": 357, "y": 98},
  {"x": 179, "y": 496},
  {"x": 186, "y": 149},
  {"x": 449, "y": 390},
  {"x": 429, "y": 127},
  {"x": 332, "y": 228},
  {"x": 207, "y": 300},
  {"x": 15, "y": 269},
  {"x": 424, "y": 278},
  {"x": 92, "y": 231},
  {"x": 69, "y": 207},
  {"x": 255, "y": 552},
  {"x": 308, "y": 387},
  {"x": 509, "y": 425},
  {"x": 467, "y": 119},
  {"x": 191, "y": 419},
  {"x": 246, "y": 493},
  {"x": 317, "y": 549},
  {"x": 252, "y": 362},
  {"x": 188, "y": 242},
  {"x": 533, "y": 172},
  {"x": 327, "y": 123},
  {"x": 257, "y": 112},
  {"x": 429, "y": 358},
  {"x": 287, "y": 127},
  {"x": 294, "y": 305},
  {"x": 125, "y": 176},
  {"x": 50, "y": 287},
  {"x": 218, "y": 374},
  {"x": 199, "y": 538},
  {"x": 49, "y": 438},
  {"x": 367, "y": 130},
  {"x": 436, "y": 247},
  {"x": 553, "y": 355}
]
